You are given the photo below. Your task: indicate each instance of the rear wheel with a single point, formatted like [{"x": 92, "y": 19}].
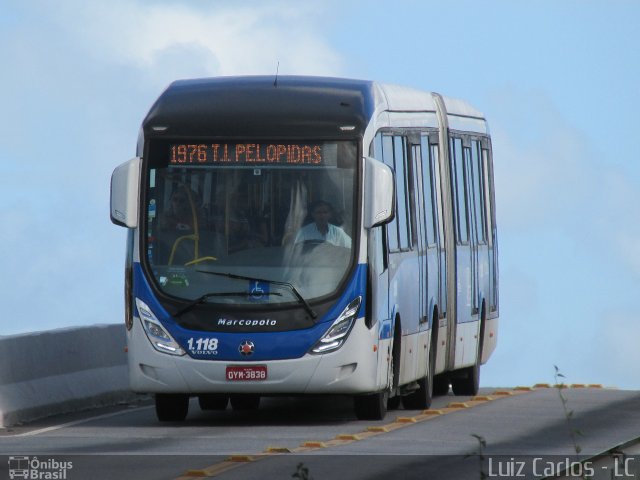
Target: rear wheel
[
  {"x": 245, "y": 402},
  {"x": 394, "y": 402},
  {"x": 468, "y": 381},
  {"x": 440, "y": 385},
  {"x": 172, "y": 407},
  {"x": 213, "y": 401}
]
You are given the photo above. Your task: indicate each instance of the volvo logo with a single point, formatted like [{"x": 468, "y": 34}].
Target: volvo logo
[{"x": 247, "y": 348}]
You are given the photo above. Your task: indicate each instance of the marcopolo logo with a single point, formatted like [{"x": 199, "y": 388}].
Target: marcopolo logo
[
  {"x": 262, "y": 322},
  {"x": 38, "y": 469}
]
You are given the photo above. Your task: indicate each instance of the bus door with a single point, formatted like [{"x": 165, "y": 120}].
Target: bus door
[
  {"x": 492, "y": 306},
  {"x": 378, "y": 259},
  {"x": 480, "y": 223},
  {"x": 436, "y": 253},
  {"x": 419, "y": 210},
  {"x": 473, "y": 234},
  {"x": 432, "y": 250},
  {"x": 464, "y": 247}
]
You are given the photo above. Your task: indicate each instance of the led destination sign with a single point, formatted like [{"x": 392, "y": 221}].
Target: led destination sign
[{"x": 254, "y": 154}]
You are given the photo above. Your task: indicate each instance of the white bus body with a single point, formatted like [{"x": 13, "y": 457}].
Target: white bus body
[{"x": 237, "y": 288}]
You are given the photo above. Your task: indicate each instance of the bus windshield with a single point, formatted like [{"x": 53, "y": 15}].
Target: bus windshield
[{"x": 234, "y": 222}]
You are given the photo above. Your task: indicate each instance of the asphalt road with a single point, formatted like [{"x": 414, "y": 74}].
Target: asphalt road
[{"x": 500, "y": 435}]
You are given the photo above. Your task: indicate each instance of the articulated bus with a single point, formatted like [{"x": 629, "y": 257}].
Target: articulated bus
[{"x": 307, "y": 236}]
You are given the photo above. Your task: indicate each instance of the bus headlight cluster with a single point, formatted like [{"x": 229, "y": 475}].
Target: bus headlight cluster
[
  {"x": 337, "y": 334},
  {"x": 157, "y": 335}
]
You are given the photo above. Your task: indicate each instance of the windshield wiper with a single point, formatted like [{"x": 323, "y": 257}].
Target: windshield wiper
[
  {"x": 204, "y": 297},
  {"x": 290, "y": 286}
]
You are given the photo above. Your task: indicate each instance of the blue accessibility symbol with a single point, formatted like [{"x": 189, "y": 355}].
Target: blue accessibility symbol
[{"x": 258, "y": 291}]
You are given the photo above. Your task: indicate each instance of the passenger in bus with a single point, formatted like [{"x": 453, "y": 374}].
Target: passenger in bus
[{"x": 321, "y": 229}]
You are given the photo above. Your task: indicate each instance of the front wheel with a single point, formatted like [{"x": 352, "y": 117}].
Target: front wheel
[
  {"x": 172, "y": 407},
  {"x": 372, "y": 406}
]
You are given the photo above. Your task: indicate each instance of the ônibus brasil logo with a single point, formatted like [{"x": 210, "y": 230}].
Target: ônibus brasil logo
[{"x": 38, "y": 469}]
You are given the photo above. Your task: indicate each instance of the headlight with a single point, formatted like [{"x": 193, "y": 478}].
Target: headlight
[
  {"x": 337, "y": 334},
  {"x": 157, "y": 335}
]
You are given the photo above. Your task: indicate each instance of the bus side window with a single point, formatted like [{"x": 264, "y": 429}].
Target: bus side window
[
  {"x": 479, "y": 191},
  {"x": 391, "y": 227},
  {"x": 402, "y": 192},
  {"x": 378, "y": 258},
  {"x": 428, "y": 179},
  {"x": 459, "y": 181},
  {"x": 375, "y": 150}
]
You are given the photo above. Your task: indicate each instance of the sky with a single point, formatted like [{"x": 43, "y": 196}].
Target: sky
[{"x": 557, "y": 80}]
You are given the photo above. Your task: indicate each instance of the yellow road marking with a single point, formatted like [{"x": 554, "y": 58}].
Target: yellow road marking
[
  {"x": 433, "y": 412},
  {"x": 314, "y": 445},
  {"x": 503, "y": 393},
  {"x": 458, "y": 405},
  {"x": 406, "y": 420},
  {"x": 277, "y": 450},
  {"x": 378, "y": 429},
  {"x": 235, "y": 461}
]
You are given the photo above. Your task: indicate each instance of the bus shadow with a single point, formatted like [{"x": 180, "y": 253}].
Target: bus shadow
[{"x": 283, "y": 411}]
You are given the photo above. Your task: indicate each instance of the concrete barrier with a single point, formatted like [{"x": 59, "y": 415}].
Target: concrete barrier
[{"x": 51, "y": 372}]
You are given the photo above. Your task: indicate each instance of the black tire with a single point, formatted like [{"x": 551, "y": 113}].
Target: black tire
[
  {"x": 245, "y": 402},
  {"x": 440, "y": 385},
  {"x": 421, "y": 398},
  {"x": 393, "y": 403},
  {"x": 372, "y": 406},
  {"x": 213, "y": 401},
  {"x": 467, "y": 382},
  {"x": 172, "y": 407}
]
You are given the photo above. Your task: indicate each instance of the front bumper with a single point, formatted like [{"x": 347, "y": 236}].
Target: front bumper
[{"x": 351, "y": 369}]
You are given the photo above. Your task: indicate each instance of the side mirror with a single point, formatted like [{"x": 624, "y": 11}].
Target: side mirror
[
  {"x": 125, "y": 182},
  {"x": 379, "y": 192}
]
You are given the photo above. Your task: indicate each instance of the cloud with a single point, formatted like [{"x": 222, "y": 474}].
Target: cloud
[
  {"x": 550, "y": 176},
  {"x": 617, "y": 348},
  {"x": 219, "y": 38},
  {"x": 544, "y": 169},
  {"x": 569, "y": 250},
  {"x": 82, "y": 77}
]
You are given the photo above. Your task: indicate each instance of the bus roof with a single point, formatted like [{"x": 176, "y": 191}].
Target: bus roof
[{"x": 292, "y": 106}]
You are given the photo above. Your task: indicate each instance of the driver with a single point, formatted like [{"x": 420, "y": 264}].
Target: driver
[{"x": 320, "y": 229}]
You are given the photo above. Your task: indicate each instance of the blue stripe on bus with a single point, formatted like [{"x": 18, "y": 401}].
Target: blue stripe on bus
[{"x": 268, "y": 345}]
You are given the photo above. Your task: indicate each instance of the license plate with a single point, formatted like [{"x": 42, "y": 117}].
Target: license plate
[{"x": 246, "y": 373}]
